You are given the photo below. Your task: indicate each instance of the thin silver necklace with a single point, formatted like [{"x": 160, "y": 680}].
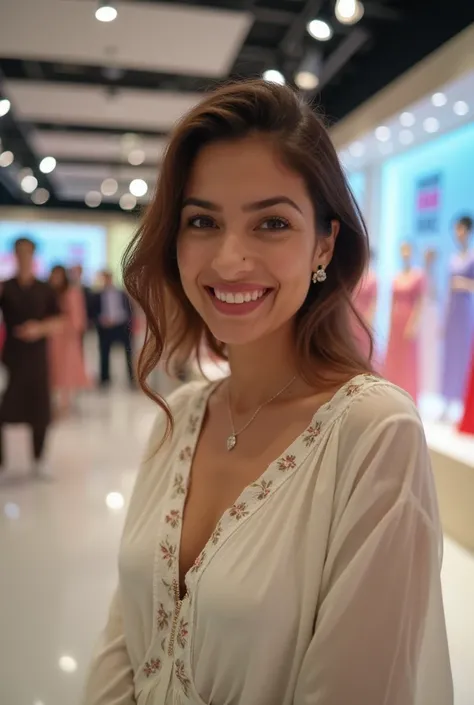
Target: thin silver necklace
[{"x": 232, "y": 439}]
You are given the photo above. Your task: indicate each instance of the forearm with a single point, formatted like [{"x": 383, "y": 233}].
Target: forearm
[{"x": 52, "y": 325}]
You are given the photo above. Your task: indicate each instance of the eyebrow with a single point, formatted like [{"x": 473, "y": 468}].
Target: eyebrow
[{"x": 249, "y": 207}]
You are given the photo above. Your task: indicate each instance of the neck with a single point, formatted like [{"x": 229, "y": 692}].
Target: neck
[
  {"x": 406, "y": 267},
  {"x": 25, "y": 276},
  {"x": 261, "y": 369}
]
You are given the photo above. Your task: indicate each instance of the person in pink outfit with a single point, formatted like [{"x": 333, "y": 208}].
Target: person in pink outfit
[
  {"x": 365, "y": 301},
  {"x": 67, "y": 369},
  {"x": 401, "y": 362}
]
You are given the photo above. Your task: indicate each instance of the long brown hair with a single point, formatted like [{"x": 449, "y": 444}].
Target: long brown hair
[{"x": 322, "y": 326}]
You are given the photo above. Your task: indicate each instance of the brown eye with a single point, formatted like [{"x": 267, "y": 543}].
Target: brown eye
[
  {"x": 201, "y": 222},
  {"x": 275, "y": 223}
]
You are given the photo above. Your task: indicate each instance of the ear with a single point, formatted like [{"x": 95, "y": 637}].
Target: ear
[{"x": 325, "y": 246}]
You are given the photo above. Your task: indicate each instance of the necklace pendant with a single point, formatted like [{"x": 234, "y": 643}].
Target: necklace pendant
[{"x": 231, "y": 442}]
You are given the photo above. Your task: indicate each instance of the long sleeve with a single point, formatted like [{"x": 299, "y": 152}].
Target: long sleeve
[
  {"x": 379, "y": 636},
  {"x": 110, "y": 679}
]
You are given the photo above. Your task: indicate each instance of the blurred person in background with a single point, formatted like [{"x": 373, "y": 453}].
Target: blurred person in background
[
  {"x": 112, "y": 313},
  {"x": 31, "y": 314},
  {"x": 282, "y": 542},
  {"x": 76, "y": 274},
  {"x": 66, "y": 359}
]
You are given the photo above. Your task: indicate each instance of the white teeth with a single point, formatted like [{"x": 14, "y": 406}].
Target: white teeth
[{"x": 239, "y": 297}]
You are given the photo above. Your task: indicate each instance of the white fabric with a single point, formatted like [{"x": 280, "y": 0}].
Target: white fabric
[{"x": 320, "y": 586}]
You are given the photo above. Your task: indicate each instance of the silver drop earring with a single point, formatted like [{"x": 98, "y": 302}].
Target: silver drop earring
[{"x": 320, "y": 275}]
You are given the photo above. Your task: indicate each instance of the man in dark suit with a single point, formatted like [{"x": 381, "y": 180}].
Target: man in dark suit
[{"x": 113, "y": 318}]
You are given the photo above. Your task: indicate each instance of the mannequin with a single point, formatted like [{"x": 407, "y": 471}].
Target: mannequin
[
  {"x": 459, "y": 326},
  {"x": 429, "y": 345},
  {"x": 401, "y": 362},
  {"x": 365, "y": 301},
  {"x": 467, "y": 421}
]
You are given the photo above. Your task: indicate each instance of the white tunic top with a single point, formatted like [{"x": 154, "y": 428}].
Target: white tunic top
[{"x": 320, "y": 586}]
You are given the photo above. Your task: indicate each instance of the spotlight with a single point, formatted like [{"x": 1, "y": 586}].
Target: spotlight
[
  {"x": 68, "y": 664},
  {"x": 274, "y": 76},
  {"x": 93, "y": 199},
  {"x": 5, "y": 106},
  {"x": 6, "y": 158},
  {"x": 138, "y": 187},
  {"x": 307, "y": 76},
  {"x": 47, "y": 165},
  {"x": 349, "y": 11},
  {"x": 136, "y": 157},
  {"x": 109, "y": 187},
  {"x": 438, "y": 100},
  {"x": 40, "y": 196},
  {"x": 29, "y": 183},
  {"x": 106, "y": 12},
  {"x": 431, "y": 124},
  {"x": 407, "y": 119},
  {"x": 127, "y": 202},
  {"x": 383, "y": 133},
  {"x": 357, "y": 149},
  {"x": 461, "y": 108},
  {"x": 319, "y": 30}
]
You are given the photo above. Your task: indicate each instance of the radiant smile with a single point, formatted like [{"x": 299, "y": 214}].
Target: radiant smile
[{"x": 237, "y": 302}]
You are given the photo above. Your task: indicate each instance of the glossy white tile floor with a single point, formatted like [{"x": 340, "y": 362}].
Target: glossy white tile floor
[{"x": 58, "y": 546}]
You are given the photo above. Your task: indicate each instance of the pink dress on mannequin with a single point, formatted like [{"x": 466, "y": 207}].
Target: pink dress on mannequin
[
  {"x": 67, "y": 369},
  {"x": 401, "y": 361},
  {"x": 364, "y": 301}
]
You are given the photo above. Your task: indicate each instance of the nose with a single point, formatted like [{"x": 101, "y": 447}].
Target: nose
[{"x": 232, "y": 256}]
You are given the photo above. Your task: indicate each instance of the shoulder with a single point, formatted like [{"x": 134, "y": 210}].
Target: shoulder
[{"x": 372, "y": 403}]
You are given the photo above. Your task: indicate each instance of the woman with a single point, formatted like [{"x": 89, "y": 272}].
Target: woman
[
  {"x": 67, "y": 371},
  {"x": 281, "y": 546}
]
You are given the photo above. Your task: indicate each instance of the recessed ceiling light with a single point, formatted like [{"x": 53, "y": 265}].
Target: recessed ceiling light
[
  {"x": 47, "y": 165},
  {"x": 383, "y": 133},
  {"x": 68, "y": 664},
  {"x": 431, "y": 124},
  {"x": 138, "y": 187},
  {"x": 115, "y": 500},
  {"x": 6, "y": 158},
  {"x": 306, "y": 80},
  {"x": 29, "y": 183},
  {"x": 5, "y": 106},
  {"x": 406, "y": 137},
  {"x": 106, "y": 12},
  {"x": 127, "y": 202},
  {"x": 461, "y": 108},
  {"x": 349, "y": 11},
  {"x": 438, "y": 100},
  {"x": 274, "y": 76},
  {"x": 407, "y": 119},
  {"x": 11, "y": 510},
  {"x": 93, "y": 199},
  {"x": 319, "y": 30},
  {"x": 357, "y": 149},
  {"x": 109, "y": 187},
  {"x": 136, "y": 157},
  {"x": 40, "y": 196}
]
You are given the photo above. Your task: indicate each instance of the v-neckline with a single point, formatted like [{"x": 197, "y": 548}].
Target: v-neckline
[{"x": 252, "y": 496}]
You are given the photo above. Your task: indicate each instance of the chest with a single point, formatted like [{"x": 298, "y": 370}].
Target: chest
[
  {"x": 219, "y": 478},
  {"x": 21, "y": 304}
]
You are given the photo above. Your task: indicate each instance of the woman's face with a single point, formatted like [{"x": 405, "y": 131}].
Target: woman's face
[
  {"x": 462, "y": 234},
  {"x": 57, "y": 278},
  {"x": 406, "y": 253},
  {"x": 247, "y": 244}
]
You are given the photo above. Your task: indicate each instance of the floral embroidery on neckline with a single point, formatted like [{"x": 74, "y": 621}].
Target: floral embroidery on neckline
[{"x": 254, "y": 495}]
